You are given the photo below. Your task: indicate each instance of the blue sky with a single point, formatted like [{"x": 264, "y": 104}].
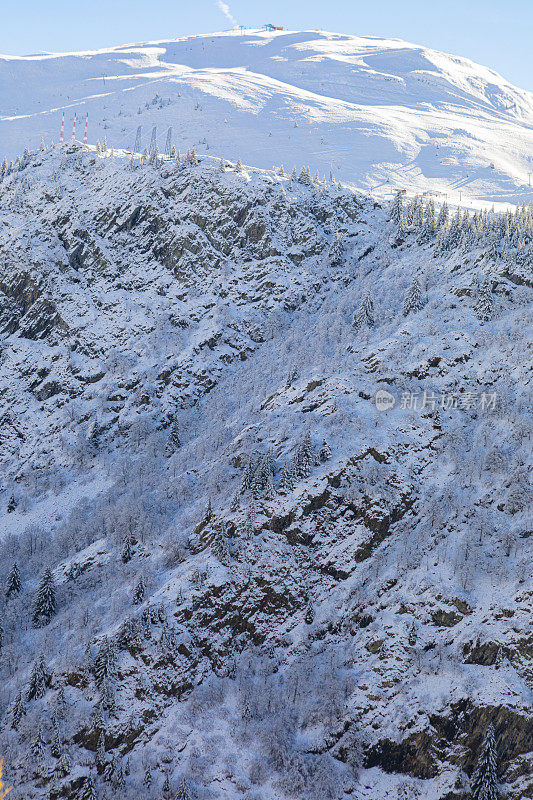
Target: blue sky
[{"x": 492, "y": 32}]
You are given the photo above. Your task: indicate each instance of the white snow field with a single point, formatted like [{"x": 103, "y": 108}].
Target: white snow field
[{"x": 379, "y": 114}]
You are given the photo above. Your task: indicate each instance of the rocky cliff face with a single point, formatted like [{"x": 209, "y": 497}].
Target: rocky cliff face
[{"x": 269, "y": 584}]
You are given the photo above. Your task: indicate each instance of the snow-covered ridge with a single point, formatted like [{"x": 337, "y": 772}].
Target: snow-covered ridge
[
  {"x": 267, "y": 585},
  {"x": 379, "y": 114}
]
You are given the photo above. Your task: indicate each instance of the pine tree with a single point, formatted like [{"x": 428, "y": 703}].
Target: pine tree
[
  {"x": 100, "y": 758},
  {"x": 485, "y": 302},
  {"x": 396, "y": 209},
  {"x": 208, "y": 514},
  {"x": 139, "y": 592},
  {"x": 325, "y": 452},
  {"x": 56, "y": 746},
  {"x": 238, "y": 166},
  {"x": 88, "y": 789},
  {"x": 38, "y": 745},
  {"x": 44, "y": 604},
  {"x": 413, "y": 300},
  {"x": 39, "y": 680},
  {"x": 173, "y": 442},
  {"x": 183, "y": 792},
  {"x": 484, "y": 783},
  {"x": 12, "y": 504},
  {"x": 147, "y": 777},
  {"x": 286, "y": 479},
  {"x": 18, "y": 710},
  {"x": 126, "y": 553},
  {"x": 166, "y": 786},
  {"x": 42, "y": 145},
  {"x": 365, "y": 314},
  {"x": 105, "y": 661},
  {"x": 336, "y": 251},
  {"x": 104, "y": 146}
]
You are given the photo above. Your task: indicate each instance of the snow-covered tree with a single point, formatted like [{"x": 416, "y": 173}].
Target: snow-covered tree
[
  {"x": 325, "y": 452},
  {"x": 44, "y": 604},
  {"x": 39, "y": 680},
  {"x": 336, "y": 251},
  {"x": 18, "y": 710},
  {"x": 413, "y": 300},
  {"x": 105, "y": 661},
  {"x": 38, "y": 745},
  {"x": 484, "y": 783},
  {"x": 88, "y": 789},
  {"x": 485, "y": 302},
  {"x": 14, "y": 584},
  {"x": 126, "y": 553},
  {"x": 183, "y": 792},
  {"x": 12, "y": 504},
  {"x": 365, "y": 313},
  {"x": 396, "y": 209},
  {"x": 139, "y": 593},
  {"x": 174, "y": 441}
]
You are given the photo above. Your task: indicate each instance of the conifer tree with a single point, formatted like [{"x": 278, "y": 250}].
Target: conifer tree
[
  {"x": 42, "y": 146},
  {"x": 18, "y": 710},
  {"x": 173, "y": 442},
  {"x": 485, "y": 302},
  {"x": 413, "y": 300},
  {"x": 396, "y": 209},
  {"x": 166, "y": 786},
  {"x": 484, "y": 783},
  {"x": 39, "y": 680},
  {"x": 126, "y": 553},
  {"x": 139, "y": 592},
  {"x": 336, "y": 251},
  {"x": 325, "y": 452},
  {"x": 365, "y": 313},
  {"x": 208, "y": 514},
  {"x": 44, "y": 604},
  {"x": 100, "y": 758},
  {"x": 147, "y": 777},
  {"x": 14, "y": 584},
  {"x": 12, "y": 504},
  {"x": 238, "y": 166},
  {"x": 105, "y": 661},
  {"x": 56, "y": 746},
  {"x": 88, "y": 789},
  {"x": 38, "y": 745},
  {"x": 183, "y": 792}
]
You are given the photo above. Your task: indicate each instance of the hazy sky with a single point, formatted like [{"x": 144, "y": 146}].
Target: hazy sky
[{"x": 495, "y": 33}]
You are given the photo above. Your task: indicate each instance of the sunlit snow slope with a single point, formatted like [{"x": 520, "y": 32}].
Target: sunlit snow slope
[{"x": 378, "y": 113}]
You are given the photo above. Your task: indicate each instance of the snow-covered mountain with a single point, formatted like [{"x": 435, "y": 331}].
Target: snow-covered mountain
[
  {"x": 272, "y": 442},
  {"x": 379, "y": 114}
]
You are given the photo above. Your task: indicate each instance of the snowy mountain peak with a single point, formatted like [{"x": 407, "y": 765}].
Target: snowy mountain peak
[{"x": 378, "y": 113}]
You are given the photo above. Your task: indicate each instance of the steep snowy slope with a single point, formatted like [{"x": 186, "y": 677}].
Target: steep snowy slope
[
  {"x": 268, "y": 585},
  {"x": 380, "y": 114}
]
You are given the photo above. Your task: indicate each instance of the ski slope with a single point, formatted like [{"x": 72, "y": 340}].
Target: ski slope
[{"x": 378, "y": 114}]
